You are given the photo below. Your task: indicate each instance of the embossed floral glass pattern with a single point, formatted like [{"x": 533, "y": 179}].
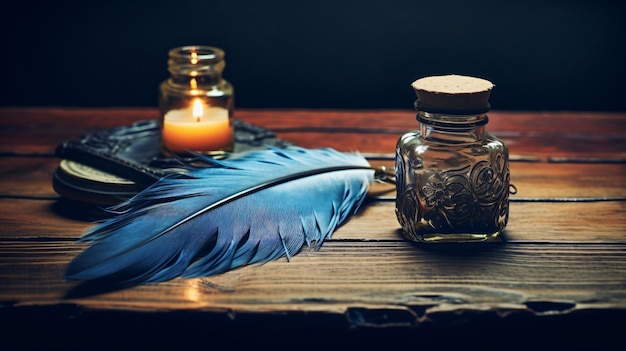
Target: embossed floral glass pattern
[{"x": 452, "y": 180}]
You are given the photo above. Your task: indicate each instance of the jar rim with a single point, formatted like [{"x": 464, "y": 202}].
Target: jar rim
[{"x": 203, "y": 52}]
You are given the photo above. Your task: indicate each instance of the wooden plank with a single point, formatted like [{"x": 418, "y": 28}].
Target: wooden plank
[
  {"x": 392, "y": 121},
  {"x": 27, "y": 176},
  {"x": 32, "y": 176},
  {"x": 342, "y": 275},
  {"x": 527, "y": 134},
  {"x": 75, "y": 119},
  {"x": 568, "y": 180},
  {"x": 528, "y": 222},
  {"x": 541, "y": 180},
  {"x": 399, "y": 121},
  {"x": 537, "y": 147},
  {"x": 42, "y": 219},
  {"x": 40, "y": 130}
]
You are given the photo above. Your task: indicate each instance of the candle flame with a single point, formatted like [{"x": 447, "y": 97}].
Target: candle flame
[
  {"x": 193, "y": 83},
  {"x": 197, "y": 110},
  {"x": 194, "y": 58}
]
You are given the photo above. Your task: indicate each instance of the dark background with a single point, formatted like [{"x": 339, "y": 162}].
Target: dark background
[{"x": 542, "y": 55}]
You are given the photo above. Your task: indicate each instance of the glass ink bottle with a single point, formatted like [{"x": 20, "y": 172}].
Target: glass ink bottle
[{"x": 452, "y": 176}]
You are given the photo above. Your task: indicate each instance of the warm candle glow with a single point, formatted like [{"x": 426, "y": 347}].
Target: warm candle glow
[
  {"x": 197, "y": 109},
  {"x": 198, "y": 127},
  {"x": 194, "y": 58}
]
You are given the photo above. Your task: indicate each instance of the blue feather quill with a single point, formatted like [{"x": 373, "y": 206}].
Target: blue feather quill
[{"x": 249, "y": 209}]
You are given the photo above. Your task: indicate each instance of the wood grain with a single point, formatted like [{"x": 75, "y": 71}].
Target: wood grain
[
  {"x": 537, "y": 135},
  {"x": 32, "y": 176},
  {"x": 376, "y": 221},
  {"x": 344, "y": 274},
  {"x": 528, "y": 221},
  {"x": 558, "y": 276}
]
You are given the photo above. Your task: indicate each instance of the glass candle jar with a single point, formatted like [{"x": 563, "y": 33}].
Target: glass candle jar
[
  {"x": 452, "y": 176},
  {"x": 196, "y": 103}
]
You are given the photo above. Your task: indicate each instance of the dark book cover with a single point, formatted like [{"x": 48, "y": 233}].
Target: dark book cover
[{"x": 108, "y": 166}]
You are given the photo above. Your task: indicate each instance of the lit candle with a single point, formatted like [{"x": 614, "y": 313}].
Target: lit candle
[{"x": 197, "y": 128}]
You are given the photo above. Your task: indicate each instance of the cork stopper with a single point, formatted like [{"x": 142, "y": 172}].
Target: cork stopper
[{"x": 453, "y": 94}]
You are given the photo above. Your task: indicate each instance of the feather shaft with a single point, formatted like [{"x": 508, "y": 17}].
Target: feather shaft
[{"x": 251, "y": 190}]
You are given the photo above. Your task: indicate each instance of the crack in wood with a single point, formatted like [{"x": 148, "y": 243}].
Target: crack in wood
[
  {"x": 359, "y": 317},
  {"x": 549, "y": 307}
]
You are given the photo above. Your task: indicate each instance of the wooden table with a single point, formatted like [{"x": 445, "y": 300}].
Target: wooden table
[{"x": 558, "y": 281}]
